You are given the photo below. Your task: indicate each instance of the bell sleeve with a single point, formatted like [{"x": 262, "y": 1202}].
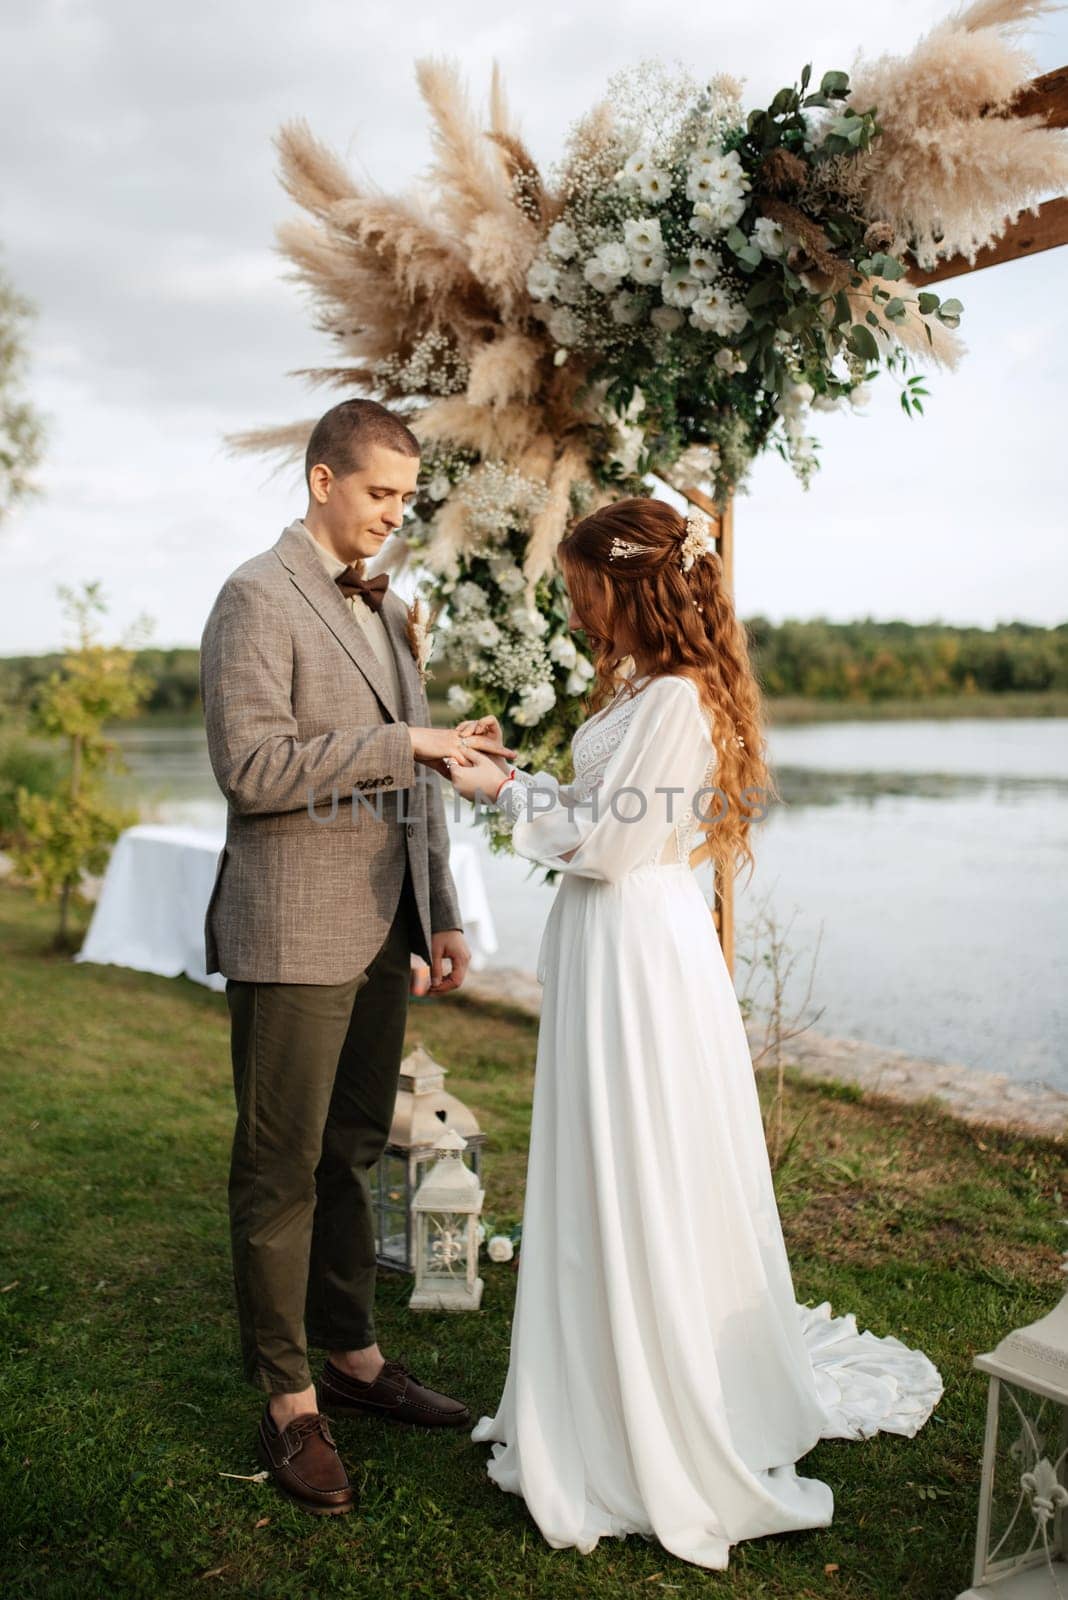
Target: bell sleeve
[{"x": 623, "y": 823}]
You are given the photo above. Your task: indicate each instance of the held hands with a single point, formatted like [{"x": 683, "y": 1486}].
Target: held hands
[
  {"x": 483, "y": 774},
  {"x": 444, "y": 749}
]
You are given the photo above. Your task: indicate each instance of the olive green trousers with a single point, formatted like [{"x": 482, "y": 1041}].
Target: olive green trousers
[{"x": 315, "y": 1070}]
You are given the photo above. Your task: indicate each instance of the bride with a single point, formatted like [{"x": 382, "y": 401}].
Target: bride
[{"x": 663, "y": 1379}]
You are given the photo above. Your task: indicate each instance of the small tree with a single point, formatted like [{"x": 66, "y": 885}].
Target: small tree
[
  {"x": 21, "y": 431},
  {"x": 71, "y": 830},
  {"x": 776, "y": 965}
]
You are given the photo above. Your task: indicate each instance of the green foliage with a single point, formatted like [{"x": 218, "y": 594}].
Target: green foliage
[
  {"x": 24, "y": 765},
  {"x": 68, "y": 831},
  {"x": 868, "y": 661}
]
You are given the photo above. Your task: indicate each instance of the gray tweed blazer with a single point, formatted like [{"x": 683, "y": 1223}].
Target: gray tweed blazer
[{"x": 325, "y": 802}]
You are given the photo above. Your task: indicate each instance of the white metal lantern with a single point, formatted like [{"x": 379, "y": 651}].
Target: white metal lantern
[
  {"x": 1021, "y": 1548},
  {"x": 445, "y": 1212},
  {"x": 423, "y": 1110}
]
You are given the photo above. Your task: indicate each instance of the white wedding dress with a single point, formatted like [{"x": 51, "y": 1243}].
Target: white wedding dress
[{"x": 663, "y": 1378}]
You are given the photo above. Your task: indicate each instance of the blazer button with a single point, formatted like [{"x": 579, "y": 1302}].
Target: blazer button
[{"x": 411, "y": 830}]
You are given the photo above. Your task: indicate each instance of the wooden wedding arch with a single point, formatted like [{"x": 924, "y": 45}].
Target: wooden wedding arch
[{"x": 1046, "y": 95}]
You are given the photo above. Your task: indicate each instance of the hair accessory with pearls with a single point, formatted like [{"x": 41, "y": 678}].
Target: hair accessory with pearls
[
  {"x": 699, "y": 541},
  {"x": 623, "y": 548}
]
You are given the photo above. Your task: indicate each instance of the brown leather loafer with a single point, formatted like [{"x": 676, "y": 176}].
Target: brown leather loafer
[
  {"x": 395, "y": 1394},
  {"x": 303, "y": 1462}
]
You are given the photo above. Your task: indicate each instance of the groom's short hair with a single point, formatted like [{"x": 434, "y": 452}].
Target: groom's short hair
[{"x": 342, "y": 437}]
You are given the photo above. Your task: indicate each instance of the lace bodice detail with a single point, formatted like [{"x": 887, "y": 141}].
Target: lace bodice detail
[{"x": 595, "y": 742}]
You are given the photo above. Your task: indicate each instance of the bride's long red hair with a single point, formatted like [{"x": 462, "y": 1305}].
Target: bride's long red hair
[{"x": 677, "y": 622}]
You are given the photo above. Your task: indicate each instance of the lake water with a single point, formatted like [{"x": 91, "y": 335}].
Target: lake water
[{"x": 916, "y": 869}]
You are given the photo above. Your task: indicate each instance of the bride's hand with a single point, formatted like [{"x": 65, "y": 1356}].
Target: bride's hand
[
  {"x": 481, "y": 779},
  {"x": 487, "y": 728}
]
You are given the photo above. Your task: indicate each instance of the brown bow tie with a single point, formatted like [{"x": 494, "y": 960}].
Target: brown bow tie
[{"x": 371, "y": 590}]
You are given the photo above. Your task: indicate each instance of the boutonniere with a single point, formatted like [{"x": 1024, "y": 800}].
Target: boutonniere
[{"x": 420, "y": 639}]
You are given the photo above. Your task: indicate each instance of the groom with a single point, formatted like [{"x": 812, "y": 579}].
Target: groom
[{"x": 335, "y": 869}]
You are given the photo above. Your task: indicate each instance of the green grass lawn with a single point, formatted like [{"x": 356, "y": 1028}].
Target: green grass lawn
[{"x": 122, "y": 1404}]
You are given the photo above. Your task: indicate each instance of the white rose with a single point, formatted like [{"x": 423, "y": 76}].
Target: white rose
[
  {"x": 679, "y": 287},
  {"x": 486, "y": 633},
  {"x": 666, "y": 318},
  {"x": 714, "y": 312},
  {"x": 458, "y": 699},
  {"x": 599, "y": 278},
  {"x": 543, "y": 279},
  {"x": 860, "y": 395},
  {"x": 562, "y": 650},
  {"x": 768, "y": 236},
  {"x": 648, "y": 266},
  {"x": 626, "y": 308},
  {"x": 529, "y": 620},
  {"x": 570, "y": 288},
  {"x": 729, "y": 360},
  {"x": 562, "y": 240},
  {"x": 654, "y": 184},
  {"x": 614, "y": 257},
  {"x": 534, "y": 701},
  {"x": 705, "y": 264},
  {"x": 696, "y": 464},
  {"x": 699, "y": 181},
  {"x": 439, "y": 486},
  {"x": 642, "y": 235},
  {"x": 634, "y": 166},
  {"x": 702, "y": 221},
  {"x": 730, "y": 207},
  {"x": 500, "y": 1248},
  {"x": 564, "y": 326},
  {"x": 508, "y": 578},
  {"x": 469, "y": 597}
]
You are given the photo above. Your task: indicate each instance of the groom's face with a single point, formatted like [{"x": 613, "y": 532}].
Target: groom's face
[{"x": 362, "y": 509}]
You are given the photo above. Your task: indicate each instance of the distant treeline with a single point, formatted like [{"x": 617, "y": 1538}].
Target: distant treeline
[{"x": 864, "y": 661}]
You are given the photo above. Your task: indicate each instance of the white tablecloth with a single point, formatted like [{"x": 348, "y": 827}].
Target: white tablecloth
[{"x": 150, "y": 911}]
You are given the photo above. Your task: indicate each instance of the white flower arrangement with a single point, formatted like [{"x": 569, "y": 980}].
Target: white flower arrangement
[{"x": 659, "y": 254}]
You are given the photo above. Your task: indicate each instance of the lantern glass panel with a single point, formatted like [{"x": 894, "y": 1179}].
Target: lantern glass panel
[
  {"x": 392, "y": 1202},
  {"x": 445, "y": 1247},
  {"x": 1030, "y": 1455}
]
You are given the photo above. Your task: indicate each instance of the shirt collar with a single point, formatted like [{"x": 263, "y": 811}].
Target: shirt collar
[{"x": 331, "y": 562}]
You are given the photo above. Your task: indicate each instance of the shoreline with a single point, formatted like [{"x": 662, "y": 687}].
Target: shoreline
[{"x": 969, "y": 1094}]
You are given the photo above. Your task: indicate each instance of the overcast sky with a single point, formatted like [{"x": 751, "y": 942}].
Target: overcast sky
[{"x": 138, "y": 211}]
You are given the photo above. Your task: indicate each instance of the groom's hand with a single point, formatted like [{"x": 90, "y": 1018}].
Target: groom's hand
[
  {"x": 449, "y": 946},
  {"x": 436, "y": 747}
]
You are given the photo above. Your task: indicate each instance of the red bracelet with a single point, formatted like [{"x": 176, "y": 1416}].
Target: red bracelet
[{"x": 502, "y": 783}]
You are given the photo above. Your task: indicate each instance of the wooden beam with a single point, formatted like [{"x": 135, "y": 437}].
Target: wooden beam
[
  {"x": 1047, "y": 97},
  {"x": 1027, "y": 236}
]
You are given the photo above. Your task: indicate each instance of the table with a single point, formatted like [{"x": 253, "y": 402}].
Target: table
[{"x": 150, "y": 912}]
